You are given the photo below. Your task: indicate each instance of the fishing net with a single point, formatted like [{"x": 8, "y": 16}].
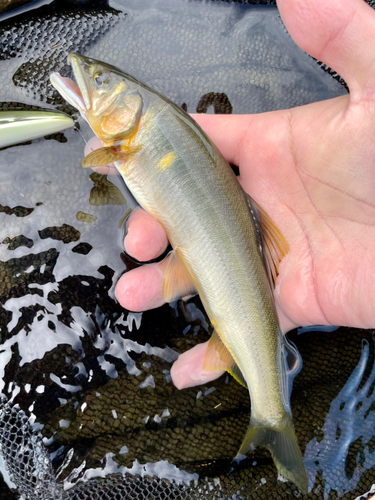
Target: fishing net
[
  {"x": 91, "y": 412},
  {"x": 27, "y": 460},
  {"x": 333, "y": 408},
  {"x": 231, "y": 56}
]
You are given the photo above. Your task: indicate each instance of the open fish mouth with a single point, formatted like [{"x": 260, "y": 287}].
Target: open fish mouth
[{"x": 77, "y": 94}]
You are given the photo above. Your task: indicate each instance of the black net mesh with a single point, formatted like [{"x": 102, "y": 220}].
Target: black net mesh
[
  {"x": 333, "y": 407},
  {"x": 111, "y": 424},
  {"x": 170, "y": 49},
  {"x": 25, "y": 456}
]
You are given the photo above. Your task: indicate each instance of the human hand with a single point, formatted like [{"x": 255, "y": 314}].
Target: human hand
[{"x": 313, "y": 170}]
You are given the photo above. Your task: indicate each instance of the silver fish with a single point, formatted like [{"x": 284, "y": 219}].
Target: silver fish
[{"x": 180, "y": 177}]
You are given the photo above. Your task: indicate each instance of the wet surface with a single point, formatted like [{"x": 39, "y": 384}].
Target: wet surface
[
  {"x": 184, "y": 49},
  {"x": 6, "y": 5},
  {"x": 95, "y": 378}
]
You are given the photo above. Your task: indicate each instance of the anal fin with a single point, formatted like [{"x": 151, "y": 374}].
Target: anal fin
[{"x": 218, "y": 358}]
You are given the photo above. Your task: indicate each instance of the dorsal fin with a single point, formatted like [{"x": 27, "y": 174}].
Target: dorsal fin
[
  {"x": 219, "y": 358},
  {"x": 273, "y": 245}
]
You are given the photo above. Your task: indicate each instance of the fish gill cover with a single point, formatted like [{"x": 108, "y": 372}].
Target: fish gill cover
[{"x": 97, "y": 415}]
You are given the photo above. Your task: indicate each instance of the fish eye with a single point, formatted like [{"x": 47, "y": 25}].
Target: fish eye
[{"x": 101, "y": 79}]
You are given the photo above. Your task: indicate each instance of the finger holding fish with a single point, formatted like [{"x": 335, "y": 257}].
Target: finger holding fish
[
  {"x": 260, "y": 145},
  {"x": 339, "y": 33},
  {"x": 143, "y": 297},
  {"x": 187, "y": 370},
  {"x": 145, "y": 237}
]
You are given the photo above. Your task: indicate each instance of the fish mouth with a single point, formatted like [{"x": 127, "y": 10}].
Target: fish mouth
[{"x": 77, "y": 94}]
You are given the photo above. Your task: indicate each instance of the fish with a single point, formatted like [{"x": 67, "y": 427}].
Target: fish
[
  {"x": 179, "y": 177},
  {"x": 21, "y": 126}
]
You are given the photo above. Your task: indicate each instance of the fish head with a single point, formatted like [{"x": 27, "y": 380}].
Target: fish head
[{"x": 109, "y": 100}]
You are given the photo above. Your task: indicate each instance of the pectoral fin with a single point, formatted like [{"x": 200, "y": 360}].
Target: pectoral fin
[
  {"x": 219, "y": 358},
  {"x": 106, "y": 155},
  {"x": 177, "y": 280},
  {"x": 274, "y": 246}
]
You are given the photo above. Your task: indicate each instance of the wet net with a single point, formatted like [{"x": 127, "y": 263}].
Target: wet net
[
  {"x": 91, "y": 412},
  {"x": 333, "y": 407}
]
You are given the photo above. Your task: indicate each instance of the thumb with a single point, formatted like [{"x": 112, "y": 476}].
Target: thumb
[
  {"x": 338, "y": 32},
  {"x": 227, "y": 131}
]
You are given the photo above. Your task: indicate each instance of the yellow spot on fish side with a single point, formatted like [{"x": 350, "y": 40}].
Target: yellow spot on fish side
[{"x": 166, "y": 161}]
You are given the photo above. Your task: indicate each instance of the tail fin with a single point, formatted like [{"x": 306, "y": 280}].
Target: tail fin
[{"x": 282, "y": 443}]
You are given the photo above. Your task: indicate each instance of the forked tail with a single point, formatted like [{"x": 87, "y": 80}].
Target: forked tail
[{"x": 282, "y": 443}]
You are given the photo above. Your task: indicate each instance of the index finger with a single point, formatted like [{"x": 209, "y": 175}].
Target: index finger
[{"x": 226, "y": 131}]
